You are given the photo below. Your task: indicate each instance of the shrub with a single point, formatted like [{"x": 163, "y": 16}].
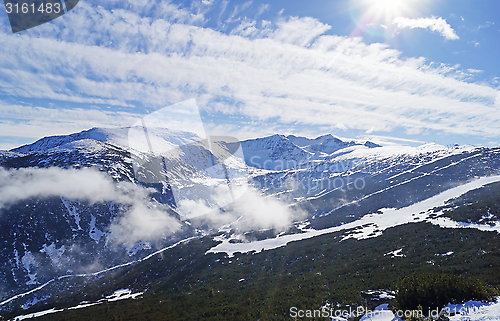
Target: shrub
[{"x": 433, "y": 291}]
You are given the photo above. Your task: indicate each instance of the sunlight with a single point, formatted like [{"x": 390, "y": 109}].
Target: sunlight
[
  {"x": 390, "y": 9},
  {"x": 374, "y": 16}
]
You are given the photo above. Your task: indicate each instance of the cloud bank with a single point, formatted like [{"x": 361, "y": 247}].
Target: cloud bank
[
  {"x": 435, "y": 24},
  {"x": 144, "y": 220}
]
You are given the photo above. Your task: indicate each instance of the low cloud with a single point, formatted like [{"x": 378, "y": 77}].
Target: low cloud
[
  {"x": 258, "y": 211},
  {"x": 250, "y": 211},
  {"x": 143, "y": 220},
  {"x": 435, "y": 24},
  {"x": 83, "y": 184}
]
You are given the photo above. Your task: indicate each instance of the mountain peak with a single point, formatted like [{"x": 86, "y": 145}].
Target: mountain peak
[
  {"x": 115, "y": 136},
  {"x": 118, "y": 136},
  {"x": 371, "y": 144}
]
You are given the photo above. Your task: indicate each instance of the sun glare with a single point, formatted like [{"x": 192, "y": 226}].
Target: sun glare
[
  {"x": 389, "y": 9},
  {"x": 374, "y": 16}
]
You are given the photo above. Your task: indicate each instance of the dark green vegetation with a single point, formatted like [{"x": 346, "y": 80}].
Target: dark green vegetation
[
  {"x": 470, "y": 208},
  {"x": 305, "y": 274},
  {"x": 430, "y": 291}
]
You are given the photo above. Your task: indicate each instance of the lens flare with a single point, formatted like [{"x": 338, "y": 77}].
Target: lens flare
[
  {"x": 388, "y": 8},
  {"x": 375, "y": 16}
]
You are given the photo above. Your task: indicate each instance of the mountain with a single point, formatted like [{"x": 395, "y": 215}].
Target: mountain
[
  {"x": 290, "y": 221},
  {"x": 277, "y": 150},
  {"x": 115, "y": 136},
  {"x": 325, "y": 144},
  {"x": 54, "y": 235}
]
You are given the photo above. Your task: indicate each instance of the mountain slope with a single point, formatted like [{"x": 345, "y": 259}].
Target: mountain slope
[{"x": 337, "y": 187}]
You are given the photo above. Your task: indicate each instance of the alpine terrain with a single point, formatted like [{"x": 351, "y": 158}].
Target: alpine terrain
[{"x": 191, "y": 228}]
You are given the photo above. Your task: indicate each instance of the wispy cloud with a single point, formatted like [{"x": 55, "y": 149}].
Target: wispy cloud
[
  {"x": 284, "y": 73},
  {"x": 435, "y": 24},
  {"x": 300, "y": 32},
  {"x": 487, "y": 24},
  {"x": 35, "y": 122}
]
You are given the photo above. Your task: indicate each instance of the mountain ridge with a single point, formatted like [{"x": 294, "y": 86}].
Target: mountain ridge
[{"x": 269, "y": 152}]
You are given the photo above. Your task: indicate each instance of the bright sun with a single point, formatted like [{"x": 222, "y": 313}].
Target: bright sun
[
  {"x": 374, "y": 16},
  {"x": 389, "y": 9}
]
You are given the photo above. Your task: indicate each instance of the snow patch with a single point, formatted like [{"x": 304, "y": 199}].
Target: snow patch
[
  {"x": 94, "y": 232},
  {"x": 371, "y": 225},
  {"x": 123, "y": 294},
  {"x": 396, "y": 253},
  {"x": 475, "y": 311},
  {"x": 445, "y": 254},
  {"x": 29, "y": 262},
  {"x": 53, "y": 253},
  {"x": 117, "y": 295},
  {"x": 73, "y": 212}
]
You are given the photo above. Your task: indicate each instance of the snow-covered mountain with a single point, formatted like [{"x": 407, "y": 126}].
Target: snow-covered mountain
[
  {"x": 334, "y": 185},
  {"x": 276, "y": 151},
  {"x": 117, "y": 136},
  {"x": 326, "y": 144}
]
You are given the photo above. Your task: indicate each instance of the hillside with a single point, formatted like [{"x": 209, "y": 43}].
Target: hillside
[{"x": 198, "y": 231}]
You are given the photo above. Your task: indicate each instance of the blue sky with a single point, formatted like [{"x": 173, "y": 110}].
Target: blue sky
[{"x": 406, "y": 72}]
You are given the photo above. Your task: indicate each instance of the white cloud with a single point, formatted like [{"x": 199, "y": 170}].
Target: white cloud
[
  {"x": 143, "y": 221},
  {"x": 289, "y": 72},
  {"x": 260, "y": 212},
  {"x": 250, "y": 211},
  {"x": 487, "y": 24},
  {"x": 435, "y": 24},
  {"x": 374, "y": 25},
  {"x": 300, "y": 32},
  {"x": 262, "y": 8},
  {"x": 52, "y": 121}
]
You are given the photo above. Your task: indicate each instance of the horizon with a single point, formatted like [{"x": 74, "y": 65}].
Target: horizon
[{"x": 343, "y": 139}]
